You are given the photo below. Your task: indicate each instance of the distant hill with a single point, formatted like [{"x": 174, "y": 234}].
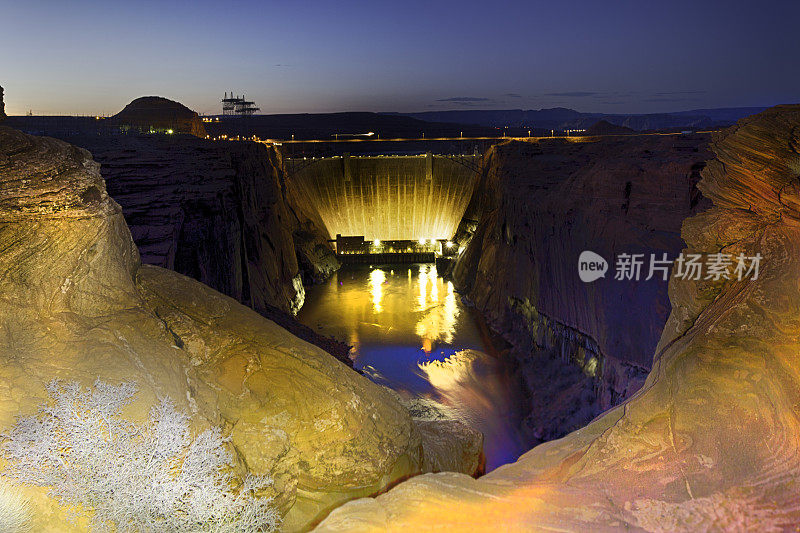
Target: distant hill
[
  {"x": 603, "y": 127},
  {"x": 166, "y": 115},
  {"x": 724, "y": 114},
  {"x": 561, "y": 118},
  {"x": 157, "y": 113},
  {"x": 162, "y": 114},
  {"x": 328, "y": 125}
]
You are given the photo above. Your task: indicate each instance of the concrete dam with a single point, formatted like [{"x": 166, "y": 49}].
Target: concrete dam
[{"x": 407, "y": 197}]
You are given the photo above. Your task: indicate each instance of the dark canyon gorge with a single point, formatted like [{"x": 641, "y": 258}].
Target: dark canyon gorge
[
  {"x": 228, "y": 216},
  {"x": 180, "y": 262}
]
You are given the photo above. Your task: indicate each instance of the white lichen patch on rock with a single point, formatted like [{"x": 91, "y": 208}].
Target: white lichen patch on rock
[{"x": 153, "y": 477}]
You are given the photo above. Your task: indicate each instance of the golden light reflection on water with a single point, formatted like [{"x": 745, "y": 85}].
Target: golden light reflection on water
[
  {"x": 468, "y": 382},
  {"x": 436, "y": 312},
  {"x": 448, "y": 373},
  {"x": 422, "y": 284},
  {"x": 439, "y": 315},
  {"x": 376, "y": 279},
  {"x": 385, "y": 303}
]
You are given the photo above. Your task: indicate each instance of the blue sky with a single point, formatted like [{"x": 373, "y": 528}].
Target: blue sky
[{"x": 301, "y": 56}]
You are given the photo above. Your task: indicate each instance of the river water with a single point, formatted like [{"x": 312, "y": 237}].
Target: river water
[{"x": 410, "y": 331}]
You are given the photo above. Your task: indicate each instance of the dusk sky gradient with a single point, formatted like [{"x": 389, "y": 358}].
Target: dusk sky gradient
[{"x": 92, "y": 57}]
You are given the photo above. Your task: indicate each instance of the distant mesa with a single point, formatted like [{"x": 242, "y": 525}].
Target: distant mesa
[
  {"x": 158, "y": 114},
  {"x": 603, "y": 127}
]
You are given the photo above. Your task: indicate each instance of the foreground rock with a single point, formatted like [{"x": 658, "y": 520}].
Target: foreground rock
[
  {"x": 580, "y": 348},
  {"x": 76, "y": 304},
  {"x": 449, "y": 444},
  {"x": 710, "y": 442}
]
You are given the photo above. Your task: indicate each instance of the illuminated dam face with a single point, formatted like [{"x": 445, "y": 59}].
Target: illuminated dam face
[{"x": 388, "y": 197}]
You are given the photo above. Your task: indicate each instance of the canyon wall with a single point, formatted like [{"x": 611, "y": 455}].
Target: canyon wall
[
  {"x": 710, "y": 442},
  {"x": 579, "y": 348},
  {"x": 223, "y": 214},
  {"x": 220, "y": 212},
  {"x": 388, "y": 197}
]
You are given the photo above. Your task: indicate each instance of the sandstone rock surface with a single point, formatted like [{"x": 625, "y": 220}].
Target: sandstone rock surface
[
  {"x": 76, "y": 304},
  {"x": 160, "y": 114},
  {"x": 579, "y": 347},
  {"x": 450, "y": 445},
  {"x": 710, "y": 443}
]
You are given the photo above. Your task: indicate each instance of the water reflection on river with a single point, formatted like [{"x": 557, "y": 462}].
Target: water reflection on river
[{"x": 411, "y": 332}]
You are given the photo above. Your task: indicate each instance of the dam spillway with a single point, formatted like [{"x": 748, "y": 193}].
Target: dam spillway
[{"x": 406, "y": 197}]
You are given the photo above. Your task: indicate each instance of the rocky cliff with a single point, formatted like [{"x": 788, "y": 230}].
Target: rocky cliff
[
  {"x": 710, "y": 441},
  {"x": 219, "y": 212},
  {"x": 2, "y": 106},
  {"x": 76, "y": 304},
  {"x": 580, "y": 348}
]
